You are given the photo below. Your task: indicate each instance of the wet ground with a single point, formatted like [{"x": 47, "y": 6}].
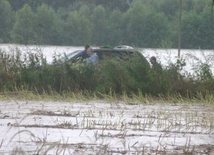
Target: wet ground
[{"x": 101, "y": 127}]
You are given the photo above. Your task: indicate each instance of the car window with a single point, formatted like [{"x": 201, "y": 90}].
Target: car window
[
  {"x": 105, "y": 53},
  {"x": 102, "y": 53},
  {"x": 73, "y": 54}
]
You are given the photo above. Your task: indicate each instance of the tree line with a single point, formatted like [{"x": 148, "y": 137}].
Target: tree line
[{"x": 140, "y": 23}]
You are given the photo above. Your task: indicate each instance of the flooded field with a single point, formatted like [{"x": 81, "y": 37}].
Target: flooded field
[{"x": 102, "y": 127}]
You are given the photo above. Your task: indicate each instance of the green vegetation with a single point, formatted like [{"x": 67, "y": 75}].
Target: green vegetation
[
  {"x": 115, "y": 77},
  {"x": 141, "y": 23}
]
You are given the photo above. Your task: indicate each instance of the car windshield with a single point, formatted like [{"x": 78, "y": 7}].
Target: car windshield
[
  {"x": 70, "y": 55},
  {"x": 102, "y": 53},
  {"x": 73, "y": 54}
]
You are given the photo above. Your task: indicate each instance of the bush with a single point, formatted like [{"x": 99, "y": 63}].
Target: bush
[{"x": 127, "y": 75}]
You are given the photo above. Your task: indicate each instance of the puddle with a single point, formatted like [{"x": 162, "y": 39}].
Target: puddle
[{"x": 98, "y": 127}]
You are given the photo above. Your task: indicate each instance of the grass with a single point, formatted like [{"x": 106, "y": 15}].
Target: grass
[{"x": 129, "y": 99}]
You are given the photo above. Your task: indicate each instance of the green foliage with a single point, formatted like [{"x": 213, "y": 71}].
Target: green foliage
[
  {"x": 146, "y": 25},
  {"x": 24, "y": 28},
  {"x": 120, "y": 75},
  {"x": 202, "y": 67},
  {"x": 48, "y": 26},
  {"x": 115, "y": 28},
  {"x": 168, "y": 7},
  {"x": 141, "y": 23},
  {"x": 78, "y": 29},
  {"x": 6, "y": 18},
  {"x": 99, "y": 23},
  {"x": 191, "y": 37}
]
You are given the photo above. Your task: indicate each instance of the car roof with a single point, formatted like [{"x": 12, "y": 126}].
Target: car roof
[{"x": 112, "y": 50}]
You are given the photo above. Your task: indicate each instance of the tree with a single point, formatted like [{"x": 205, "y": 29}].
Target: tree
[
  {"x": 198, "y": 29},
  {"x": 78, "y": 28},
  {"x": 135, "y": 22},
  {"x": 48, "y": 26},
  {"x": 115, "y": 28},
  {"x": 122, "y": 5},
  {"x": 179, "y": 29},
  {"x": 168, "y": 7},
  {"x": 206, "y": 30},
  {"x": 24, "y": 28},
  {"x": 18, "y": 4},
  {"x": 99, "y": 25},
  {"x": 144, "y": 26},
  {"x": 6, "y": 18}
]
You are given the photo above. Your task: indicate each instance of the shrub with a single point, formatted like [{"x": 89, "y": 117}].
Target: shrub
[{"x": 119, "y": 75}]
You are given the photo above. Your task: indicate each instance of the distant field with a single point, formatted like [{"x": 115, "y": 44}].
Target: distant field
[{"x": 101, "y": 127}]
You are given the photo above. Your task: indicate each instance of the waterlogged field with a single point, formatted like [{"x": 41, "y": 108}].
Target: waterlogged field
[{"x": 105, "y": 127}]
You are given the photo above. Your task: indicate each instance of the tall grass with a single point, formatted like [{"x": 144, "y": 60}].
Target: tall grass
[{"x": 129, "y": 75}]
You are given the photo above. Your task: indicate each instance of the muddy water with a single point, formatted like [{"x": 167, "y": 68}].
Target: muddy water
[{"x": 99, "y": 127}]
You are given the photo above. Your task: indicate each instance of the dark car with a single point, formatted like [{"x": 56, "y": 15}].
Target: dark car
[
  {"x": 122, "y": 52},
  {"x": 120, "y": 68}
]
